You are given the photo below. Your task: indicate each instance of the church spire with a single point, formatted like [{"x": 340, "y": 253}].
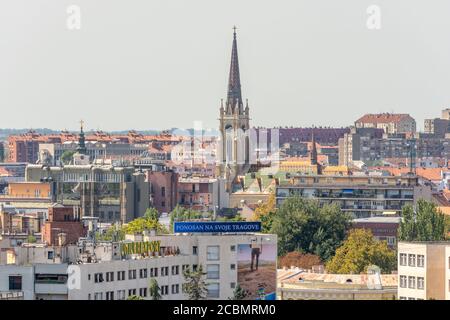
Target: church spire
[{"x": 234, "y": 96}]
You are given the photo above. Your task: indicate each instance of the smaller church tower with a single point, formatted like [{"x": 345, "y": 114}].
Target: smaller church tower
[{"x": 81, "y": 149}]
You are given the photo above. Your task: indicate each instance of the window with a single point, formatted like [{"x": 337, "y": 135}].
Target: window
[
  {"x": 420, "y": 283},
  {"x": 233, "y": 285},
  {"x": 120, "y": 294},
  {"x": 213, "y": 290},
  {"x": 98, "y": 296},
  {"x": 194, "y": 250},
  {"x": 109, "y": 295},
  {"x": 131, "y": 274},
  {"x": 402, "y": 281},
  {"x": 98, "y": 277},
  {"x": 143, "y": 273},
  {"x": 143, "y": 292},
  {"x": 233, "y": 248},
  {"x": 403, "y": 298},
  {"x": 403, "y": 258},
  {"x": 89, "y": 277},
  {"x": 233, "y": 266},
  {"x": 109, "y": 276},
  {"x": 50, "y": 278},
  {"x": 15, "y": 283},
  {"x": 50, "y": 255},
  {"x": 164, "y": 271},
  {"x": 164, "y": 290},
  {"x": 175, "y": 288},
  {"x": 163, "y": 191},
  {"x": 153, "y": 272},
  {"x": 412, "y": 282},
  {"x": 420, "y": 260},
  {"x": 411, "y": 298},
  {"x": 131, "y": 292},
  {"x": 120, "y": 275},
  {"x": 194, "y": 267},
  {"x": 175, "y": 270},
  {"x": 212, "y": 271},
  {"x": 411, "y": 260},
  {"x": 184, "y": 267},
  {"x": 212, "y": 253}
]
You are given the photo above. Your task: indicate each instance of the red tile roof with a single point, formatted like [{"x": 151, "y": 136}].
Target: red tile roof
[{"x": 384, "y": 117}]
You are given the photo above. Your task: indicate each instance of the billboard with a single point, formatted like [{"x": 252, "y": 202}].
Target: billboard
[
  {"x": 216, "y": 227},
  {"x": 257, "y": 270}
]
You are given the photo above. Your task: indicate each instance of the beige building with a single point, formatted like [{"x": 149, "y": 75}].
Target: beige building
[
  {"x": 391, "y": 123},
  {"x": 423, "y": 270},
  {"x": 296, "y": 284}
]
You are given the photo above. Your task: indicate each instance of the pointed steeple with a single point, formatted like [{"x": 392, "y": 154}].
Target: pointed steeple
[{"x": 234, "y": 96}]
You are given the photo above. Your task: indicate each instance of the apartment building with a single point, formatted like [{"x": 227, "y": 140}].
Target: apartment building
[
  {"x": 202, "y": 193},
  {"x": 391, "y": 123},
  {"x": 361, "y": 195},
  {"x": 51, "y": 152},
  {"x": 35, "y": 271},
  {"x": 112, "y": 193},
  {"x": 423, "y": 270},
  {"x": 115, "y": 275}
]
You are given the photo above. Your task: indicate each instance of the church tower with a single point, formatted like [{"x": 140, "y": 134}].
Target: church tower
[{"x": 233, "y": 153}]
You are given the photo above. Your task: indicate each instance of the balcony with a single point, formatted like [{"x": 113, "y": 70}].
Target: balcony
[{"x": 11, "y": 295}]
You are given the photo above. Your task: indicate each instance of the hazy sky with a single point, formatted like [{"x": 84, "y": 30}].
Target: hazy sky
[{"x": 164, "y": 63}]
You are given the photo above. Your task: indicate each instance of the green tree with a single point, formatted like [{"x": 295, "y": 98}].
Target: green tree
[
  {"x": 31, "y": 239},
  {"x": 152, "y": 214},
  {"x": 303, "y": 225},
  {"x": 144, "y": 223},
  {"x": 67, "y": 156},
  {"x": 265, "y": 213},
  {"x": 239, "y": 293},
  {"x": 425, "y": 223},
  {"x": 154, "y": 290},
  {"x": 195, "y": 286},
  {"x": 134, "y": 297},
  {"x": 113, "y": 233},
  {"x": 359, "y": 251}
]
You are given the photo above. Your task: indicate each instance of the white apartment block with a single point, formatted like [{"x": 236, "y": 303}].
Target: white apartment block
[
  {"x": 114, "y": 278},
  {"x": 447, "y": 273},
  {"x": 423, "y": 270},
  {"x": 107, "y": 271}
]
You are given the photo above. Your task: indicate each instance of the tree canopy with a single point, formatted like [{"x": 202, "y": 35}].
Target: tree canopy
[
  {"x": 303, "y": 225},
  {"x": 265, "y": 212},
  {"x": 154, "y": 290},
  {"x": 239, "y": 293},
  {"x": 359, "y": 251},
  {"x": 195, "y": 286},
  {"x": 67, "y": 156},
  {"x": 425, "y": 223}
]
